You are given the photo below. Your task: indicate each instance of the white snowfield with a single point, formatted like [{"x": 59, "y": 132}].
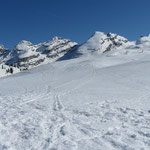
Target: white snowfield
[{"x": 93, "y": 102}]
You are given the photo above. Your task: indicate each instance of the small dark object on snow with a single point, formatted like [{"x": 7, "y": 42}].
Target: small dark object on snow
[
  {"x": 11, "y": 70},
  {"x": 7, "y": 71}
]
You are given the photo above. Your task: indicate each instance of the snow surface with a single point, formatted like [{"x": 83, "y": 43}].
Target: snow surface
[{"x": 93, "y": 102}]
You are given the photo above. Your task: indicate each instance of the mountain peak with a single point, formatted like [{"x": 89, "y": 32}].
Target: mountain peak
[
  {"x": 102, "y": 42},
  {"x": 24, "y": 42},
  {"x": 98, "y": 35},
  {"x": 55, "y": 38},
  {"x": 23, "y": 46}
]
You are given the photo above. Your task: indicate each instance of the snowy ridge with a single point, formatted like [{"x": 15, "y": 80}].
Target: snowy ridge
[
  {"x": 109, "y": 45},
  {"x": 55, "y": 47},
  {"x": 103, "y": 42},
  {"x": 27, "y": 55}
]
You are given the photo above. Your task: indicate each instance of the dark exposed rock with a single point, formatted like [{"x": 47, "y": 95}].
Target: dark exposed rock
[
  {"x": 3, "y": 50},
  {"x": 27, "y": 55}
]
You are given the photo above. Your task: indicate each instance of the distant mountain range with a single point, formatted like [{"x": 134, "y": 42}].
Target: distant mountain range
[{"x": 26, "y": 55}]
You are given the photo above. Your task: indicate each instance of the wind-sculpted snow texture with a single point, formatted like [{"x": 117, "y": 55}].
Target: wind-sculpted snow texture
[
  {"x": 95, "y": 101},
  {"x": 92, "y": 126},
  {"x": 77, "y": 105}
]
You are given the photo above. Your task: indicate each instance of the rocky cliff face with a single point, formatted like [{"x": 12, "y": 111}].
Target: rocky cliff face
[
  {"x": 27, "y": 55},
  {"x": 3, "y": 53},
  {"x": 55, "y": 47},
  {"x": 3, "y": 50}
]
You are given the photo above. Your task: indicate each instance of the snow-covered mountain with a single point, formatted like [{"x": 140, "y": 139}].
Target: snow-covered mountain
[
  {"x": 23, "y": 54},
  {"x": 102, "y": 42},
  {"x": 27, "y": 55}
]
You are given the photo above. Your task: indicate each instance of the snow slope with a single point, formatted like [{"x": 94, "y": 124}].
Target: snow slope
[{"x": 93, "y": 102}]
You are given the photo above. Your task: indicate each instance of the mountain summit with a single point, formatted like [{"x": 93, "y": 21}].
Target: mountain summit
[{"x": 102, "y": 42}]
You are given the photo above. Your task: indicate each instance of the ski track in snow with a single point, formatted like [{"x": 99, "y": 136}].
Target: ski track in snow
[
  {"x": 41, "y": 121},
  {"x": 49, "y": 90},
  {"x": 92, "y": 126}
]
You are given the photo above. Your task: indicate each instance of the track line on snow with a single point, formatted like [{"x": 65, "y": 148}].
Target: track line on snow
[{"x": 46, "y": 95}]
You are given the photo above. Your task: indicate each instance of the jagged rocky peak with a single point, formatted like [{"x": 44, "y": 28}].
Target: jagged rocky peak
[
  {"x": 27, "y": 55},
  {"x": 117, "y": 38},
  {"x": 56, "y": 46},
  {"x": 54, "y": 40},
  {"x": 25, "y": 42},
  {"x": 58, "y": 41},
  {"x": 3, "y": 50},
  {"x": 102, "y": 42}
]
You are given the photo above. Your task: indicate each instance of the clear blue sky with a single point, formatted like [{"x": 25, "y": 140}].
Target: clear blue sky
[{"x": 40, "y": 20}]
